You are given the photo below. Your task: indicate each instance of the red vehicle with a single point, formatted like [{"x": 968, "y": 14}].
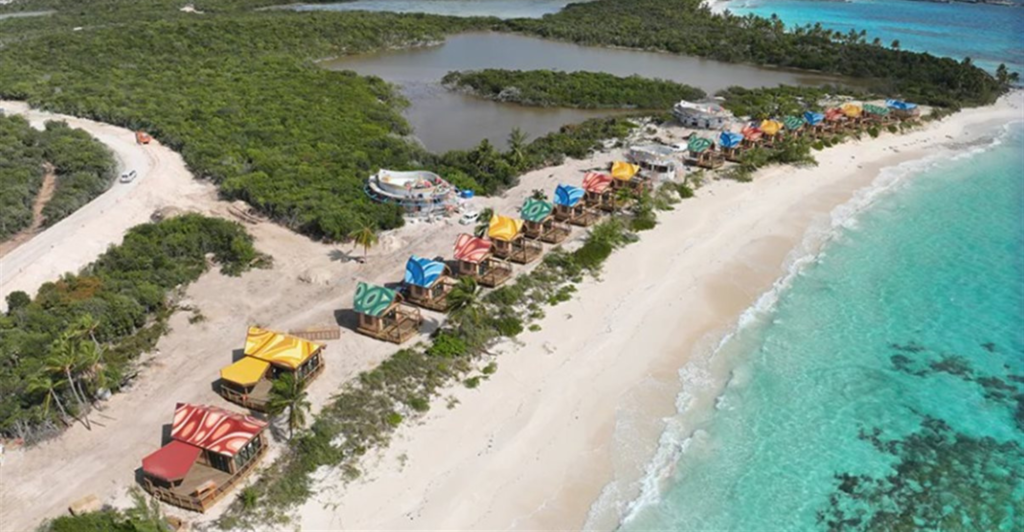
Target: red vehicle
[{"x": 142, "y": 137}]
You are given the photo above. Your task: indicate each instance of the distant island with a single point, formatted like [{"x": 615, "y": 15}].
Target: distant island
[{"x": 1007, "y": 3}]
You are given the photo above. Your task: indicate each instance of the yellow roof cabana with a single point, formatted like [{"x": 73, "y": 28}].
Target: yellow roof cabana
[
  {"x": 507, "y": 236},
  {"x": 246, "y": 372},
  {"x": 248, "y": 381}
]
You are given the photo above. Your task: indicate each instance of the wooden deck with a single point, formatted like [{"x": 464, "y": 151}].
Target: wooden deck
[
  {"x": 585, "y": 219},
  {"x": 496, "y": 275},
  {"x": 187, "y": 496},
  {"x": 259, "y": 398},
  {"x": 526, "y": 253},
  {"x": 556, "y": 234},
  {"x": 406, "y": 324}
]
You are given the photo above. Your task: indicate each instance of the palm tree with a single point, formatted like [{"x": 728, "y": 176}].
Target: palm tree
[
  {"x": 65, "y": 360},
  {"x": 364, "y": 237},
  {"x": 464, "y": 302},
  {"x": 516, "y": 143},
  {"x": 622, "y": 197},
  {"x": 44, "y": 383},
  {"x": 483, "y": 222},
  {"x": 289, "y": 393}
]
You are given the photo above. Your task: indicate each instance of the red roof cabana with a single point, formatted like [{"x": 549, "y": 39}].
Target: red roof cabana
[{"x": 172, "y": 461}]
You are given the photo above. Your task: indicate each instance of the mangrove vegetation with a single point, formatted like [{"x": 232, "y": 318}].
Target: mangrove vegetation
[{"x": 582, "y": 90}]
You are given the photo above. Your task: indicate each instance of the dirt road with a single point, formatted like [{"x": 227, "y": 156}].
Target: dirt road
[{"x": 163, "y": 180}]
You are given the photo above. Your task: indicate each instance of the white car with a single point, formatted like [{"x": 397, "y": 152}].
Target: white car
[
  {"x": 469, "y": 218},
  {"x": 128, "y": 177}
]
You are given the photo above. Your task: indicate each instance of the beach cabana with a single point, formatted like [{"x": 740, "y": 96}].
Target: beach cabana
[
  {"x": 903, "y": 110},
  {"x": 427, "y": 283},
  {"x": 599, "y": 193},
  {"x": 702, "y": 152},
  {"x": 268, "y": 354},
  {"x": 731, "y": 144},
  {"x": 476, "y": 260},
  {"x": 816, "y": 123},
  {"x": 570, "y": 207},
  {"x": 752, "y": 136},
  {"x": 835, "y": 120},
  {"x": 539, "y": 222},
  {"x": 627, "y": 175},
  {"x": 794, "y": 126},
  {"x": 772, "y": 130},
  {"x": 854, "y": 114},
  {"x": 210, "y": 451},
  {"x": 877, "y": 114},
  {"x": 383, "y": 316},
  {"x": 509, "y": 240}
]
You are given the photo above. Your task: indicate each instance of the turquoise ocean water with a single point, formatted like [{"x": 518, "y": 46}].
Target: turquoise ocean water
[
  {"x": 988, "y": 34},
  {"x": 884, "y": 389}
]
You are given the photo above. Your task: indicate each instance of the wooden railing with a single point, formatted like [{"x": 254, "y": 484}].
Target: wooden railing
[{"x": 204, "y": 502}]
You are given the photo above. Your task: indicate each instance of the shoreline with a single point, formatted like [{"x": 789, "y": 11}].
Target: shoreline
[{"x": 568, "y": 420}]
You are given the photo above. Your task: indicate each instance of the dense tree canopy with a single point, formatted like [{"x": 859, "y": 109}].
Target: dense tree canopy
[
  {"x": 689, "y": 27},
  {"x": 585, "y": 90},
  {"x": 84, "y": 168},
  {"x": 80, "y": 333}
]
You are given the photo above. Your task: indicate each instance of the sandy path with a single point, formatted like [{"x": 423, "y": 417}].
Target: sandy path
[
  {"x": 46, "y": 191},
  {"x": 163, "y": 180},
  {"x": 575, "y": 411}
]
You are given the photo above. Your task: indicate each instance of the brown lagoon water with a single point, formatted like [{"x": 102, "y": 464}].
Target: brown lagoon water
[{"x": 444, "y": 120}]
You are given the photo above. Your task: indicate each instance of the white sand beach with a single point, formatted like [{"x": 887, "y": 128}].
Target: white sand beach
[{"x": 531, "y": 448}]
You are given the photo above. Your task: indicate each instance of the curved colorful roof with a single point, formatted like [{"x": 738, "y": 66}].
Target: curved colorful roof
[
  {"x": 792, "y": 123},
  {"x": 852, "y": 110},
  {"x": 813, "y": 118},
  {"x": 834, "y": 114},
  {"x": 373, "y": 300},
  {"x": 900, "y": 105},
  {"x": 596, "y": 182},
  {"x": 423, "y": 272},
  {"x": 469, "y": 248},
  {"x": 535, "y": 210},
  {"x": 277, "y": 348},
  {"x": 246, "y": 372},
  {"x": 728, "y": 139},
  {"x": 504, "y": 228},
  {"x": 698, "y": 144},
  {"x": 751, "y": 132},
  {"x": 876, "y": 110},
  {"x": 214, "y": 429},
  {"x": 568, "y": 195},
  {"x": 770, "y": 127},
  {"x": 624, "y": 171}
]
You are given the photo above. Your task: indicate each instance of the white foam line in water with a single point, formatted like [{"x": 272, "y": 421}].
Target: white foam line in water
[{"x": 696, "y": 376}]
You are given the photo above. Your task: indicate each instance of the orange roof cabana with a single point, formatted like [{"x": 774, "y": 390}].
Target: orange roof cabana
[
  {"x": 268, "y": 354},
  {"x": 211, "y": 450},
  {"x": 475, "y": 258},
  {"x": 598, "y": 189},
  {"x": 507, "y": 236}
]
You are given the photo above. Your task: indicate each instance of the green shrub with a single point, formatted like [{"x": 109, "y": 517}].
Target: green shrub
[
  {"x": 873, "y": 131},
  {"x": 394, "y": 419},
  {"x": 472, "y": 382},
  {"x": 490, "y": 369},
  {"x": 892, "y": 128},
  {"x": 819, "y": 145},
  {"x": 447, "y": 345}
]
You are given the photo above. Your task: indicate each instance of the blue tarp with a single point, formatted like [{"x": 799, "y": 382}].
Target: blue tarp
[
  {"x": 728, "y": 139},
  {"x": 900, "y": 105},
  {"x": 568, "y": 195},
  {"x": 813, "y": 118},
  {"x": 422, "y": 272}
]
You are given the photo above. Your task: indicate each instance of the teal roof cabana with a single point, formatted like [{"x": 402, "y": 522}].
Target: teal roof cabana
[
  {"x": 702, "y": 152},
  {"x": 539, "y": 221},
  {"x": 382, "y": 314}
]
